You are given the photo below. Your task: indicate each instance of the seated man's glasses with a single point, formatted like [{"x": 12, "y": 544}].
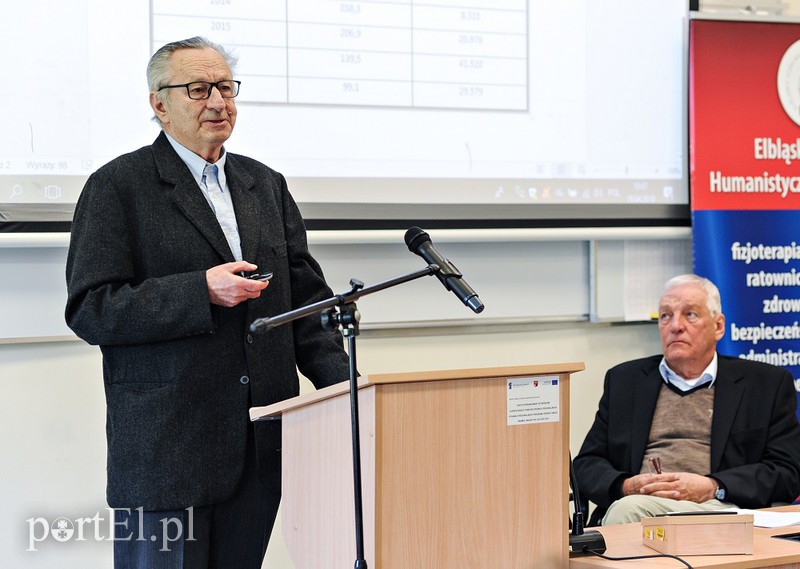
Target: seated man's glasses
[{"x": 199, "y": 90}]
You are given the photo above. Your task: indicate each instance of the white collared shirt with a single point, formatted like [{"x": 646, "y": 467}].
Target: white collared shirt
[
  {"x": 708, "y": 376},
  {"x": 221, "y": 204}
]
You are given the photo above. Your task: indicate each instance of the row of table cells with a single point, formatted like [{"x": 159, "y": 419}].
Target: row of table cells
[{"x": 459, "y": 54}]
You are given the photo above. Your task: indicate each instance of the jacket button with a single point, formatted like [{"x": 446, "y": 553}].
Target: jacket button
[
  {"x": 244, "y": 380},
  {"x": 249, "y": 338}
]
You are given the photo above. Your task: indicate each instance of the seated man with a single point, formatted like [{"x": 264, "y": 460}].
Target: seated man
[{"x": 691, "y": 430}]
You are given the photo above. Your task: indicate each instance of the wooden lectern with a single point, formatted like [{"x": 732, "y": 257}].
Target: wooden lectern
[{"x": 458, "y": 470}]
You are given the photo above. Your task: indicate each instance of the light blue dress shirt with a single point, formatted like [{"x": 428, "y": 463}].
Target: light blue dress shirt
[
  {"x": 215, "y": 190},
  {"x": 708, "y": 376}
]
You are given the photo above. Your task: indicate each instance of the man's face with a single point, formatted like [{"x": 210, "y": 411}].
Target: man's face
[
  {"x": 203, "y": 125},
  {"x": 689, "y": 333}
]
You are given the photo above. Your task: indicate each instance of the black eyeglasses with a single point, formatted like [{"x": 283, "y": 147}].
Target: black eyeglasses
[{"x": 199, "y": 90}]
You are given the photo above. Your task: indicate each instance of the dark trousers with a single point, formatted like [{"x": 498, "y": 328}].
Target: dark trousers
[{"x": 230, "y": 535}]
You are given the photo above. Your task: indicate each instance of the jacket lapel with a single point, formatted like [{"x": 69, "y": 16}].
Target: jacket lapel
[
  {"x": 727, "y": 398},
  {"x": 188, "y": 197},
  {"x": 645, "y": 397},
  {"x": 247, "y": 207}
]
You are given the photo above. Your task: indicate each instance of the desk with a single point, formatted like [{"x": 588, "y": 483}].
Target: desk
[{"x": 626, "y": 540}]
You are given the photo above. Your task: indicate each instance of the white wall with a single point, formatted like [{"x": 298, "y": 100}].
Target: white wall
[{"x": 52, "y": 451}]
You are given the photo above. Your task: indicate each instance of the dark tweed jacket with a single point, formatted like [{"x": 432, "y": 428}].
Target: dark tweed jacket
[
  {"x": 755, "y": 436},
  {"x": 181, "y": 374}
]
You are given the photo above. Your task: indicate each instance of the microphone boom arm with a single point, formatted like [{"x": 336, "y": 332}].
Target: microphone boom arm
[{"x": 261, "y": 325}]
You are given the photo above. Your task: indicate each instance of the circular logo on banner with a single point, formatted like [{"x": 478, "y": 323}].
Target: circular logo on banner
[{"x": 789, "y": 82}]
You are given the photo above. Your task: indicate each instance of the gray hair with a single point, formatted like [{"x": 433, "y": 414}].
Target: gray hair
[
  {"x": 158, "y": 66},
  {"x": 714, "y": 302}
]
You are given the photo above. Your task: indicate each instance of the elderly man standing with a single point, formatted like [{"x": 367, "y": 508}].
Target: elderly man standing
[
  {"x": 691, "y": 430},
  {"x": 164, "y": 242}
]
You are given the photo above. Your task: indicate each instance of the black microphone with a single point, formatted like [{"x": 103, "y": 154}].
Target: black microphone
[
  {"x": 582, "y": 541},
  {"x": 420, "y": 244}
]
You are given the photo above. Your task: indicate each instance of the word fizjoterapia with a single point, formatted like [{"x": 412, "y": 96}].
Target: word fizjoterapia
[{"x": 760, "y": 252}]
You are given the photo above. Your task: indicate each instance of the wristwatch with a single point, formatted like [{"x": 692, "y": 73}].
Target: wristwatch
[{"x": 720, "y": 493}]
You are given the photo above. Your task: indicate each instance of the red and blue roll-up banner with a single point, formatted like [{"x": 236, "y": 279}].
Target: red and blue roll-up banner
[{"x": 744, "y": 153}]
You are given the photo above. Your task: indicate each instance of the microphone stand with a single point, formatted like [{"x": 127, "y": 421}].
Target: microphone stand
[{"x": 340, "y": 312}]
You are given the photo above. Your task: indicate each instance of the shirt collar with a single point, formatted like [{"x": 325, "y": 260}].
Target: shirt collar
[
  {"x": 197, "y": 164},
  {"x": 708, "y": 376}
]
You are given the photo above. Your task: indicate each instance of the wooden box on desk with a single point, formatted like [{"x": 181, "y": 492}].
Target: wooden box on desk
[{"x": 704, "y": 534}]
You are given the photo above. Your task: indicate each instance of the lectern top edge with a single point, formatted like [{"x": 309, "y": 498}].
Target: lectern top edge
[
  {"x": 276, "y": 409},
  {"x": 474, "y": 373}
]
